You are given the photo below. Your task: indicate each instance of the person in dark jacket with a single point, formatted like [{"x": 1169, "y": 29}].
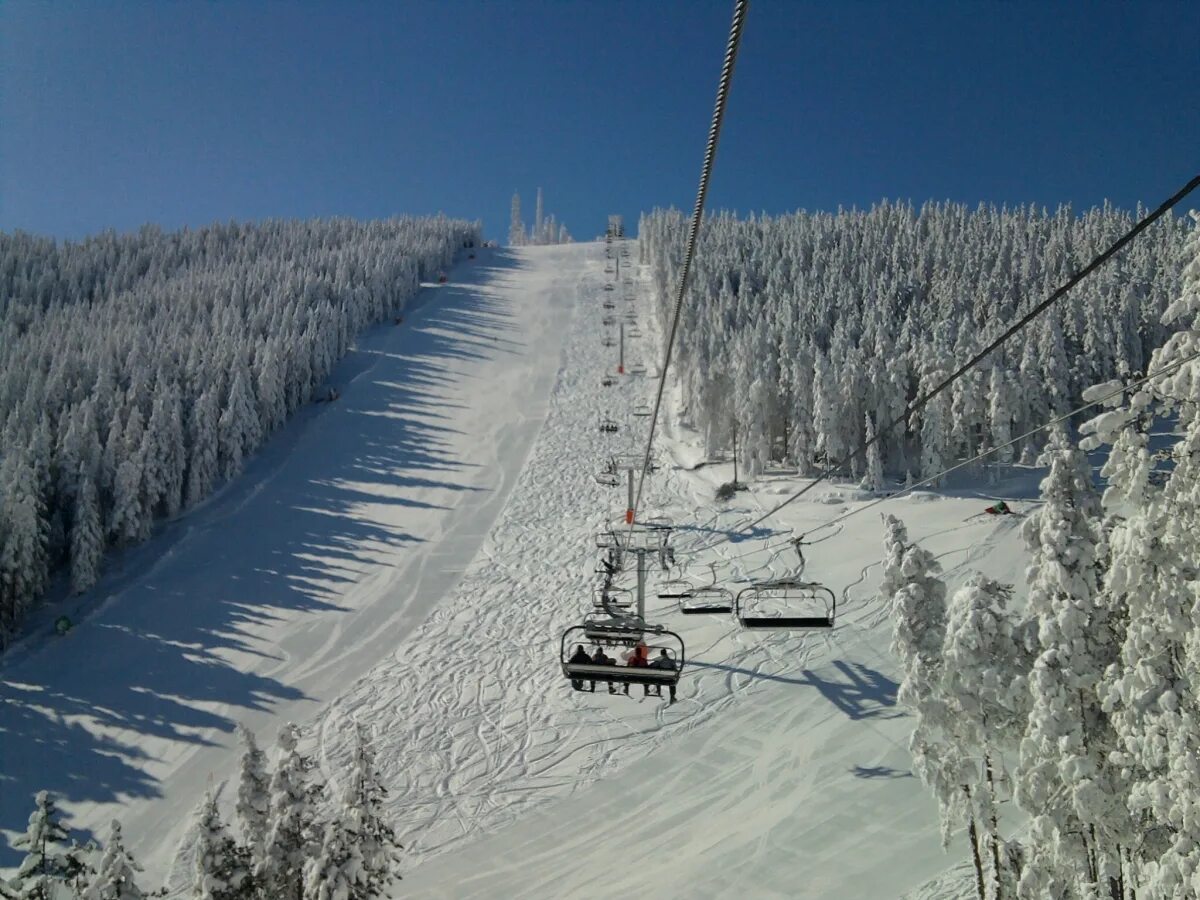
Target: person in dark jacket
[
  {"x": 600, "y": 658},
  {"x": 580, "y": 657}
]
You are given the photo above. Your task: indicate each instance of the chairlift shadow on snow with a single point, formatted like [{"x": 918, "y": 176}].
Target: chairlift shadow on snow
[
  {"x": 865, "y": 694},
  {"x": 879, "y": 772},
  {"x": 165, "y": 644}
]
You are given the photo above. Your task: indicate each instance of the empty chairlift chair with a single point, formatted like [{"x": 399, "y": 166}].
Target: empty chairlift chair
[
  {"x": 637, "y": 368},
  {"x": 642, "y": 409},
  {"x": 786, "y": 604}
]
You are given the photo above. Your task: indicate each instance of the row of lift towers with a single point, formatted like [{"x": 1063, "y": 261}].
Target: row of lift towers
[{"x": 618, "y": 615}]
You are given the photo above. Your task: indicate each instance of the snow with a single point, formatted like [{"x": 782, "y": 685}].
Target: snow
[{"x": 408, "y": 556}]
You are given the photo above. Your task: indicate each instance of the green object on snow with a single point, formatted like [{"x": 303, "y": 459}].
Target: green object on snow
[{"x": 62, "y": 624}]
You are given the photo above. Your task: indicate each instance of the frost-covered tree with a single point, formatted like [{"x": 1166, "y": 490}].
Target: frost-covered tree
[
  {"x": 115, "y": 877},
  {"x": 254, "y": 796},
  {"x": 293, "y": 836},
  {"x": 222, "y": 866},
  {"x": 1065, "y": 779},
  {"x": 52, "y": 864},
  {"x": 986, "y": 702},
  {"x": 87, "y": 537}
]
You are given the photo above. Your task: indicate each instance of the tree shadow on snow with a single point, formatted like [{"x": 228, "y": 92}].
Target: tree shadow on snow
[
  {"x": 174, "y": 643},
  {"x": 879, "y": 772}
]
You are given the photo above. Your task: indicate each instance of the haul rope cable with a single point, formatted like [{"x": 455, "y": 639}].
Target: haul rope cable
[
  {"x": 710, "y": 152},
  {"x": 834, "y": 467}
]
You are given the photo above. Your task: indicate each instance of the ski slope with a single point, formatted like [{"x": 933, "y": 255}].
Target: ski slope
[
  {"x": 409, "y": 556},
  {"x": 338, "y": 540}
]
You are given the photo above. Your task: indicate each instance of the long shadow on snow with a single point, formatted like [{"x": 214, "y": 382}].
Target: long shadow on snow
[
  {"x": 865, "y": 694},
  {"x": 158, "y": 660}
]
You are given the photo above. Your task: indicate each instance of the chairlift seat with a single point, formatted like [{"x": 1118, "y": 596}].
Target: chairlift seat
[
  {"x": 810, "y": 605},
  {"x": 707, "y": 600}
]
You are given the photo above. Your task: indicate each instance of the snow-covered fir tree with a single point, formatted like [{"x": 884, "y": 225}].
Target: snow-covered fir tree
[
  {"x": 254, "y": 796},
  {"x": 222, "y": 865},
  {"x": 115, "y": 877},
  {"x": 53, "y": 864},
  {"x": 294, "y": 835}
]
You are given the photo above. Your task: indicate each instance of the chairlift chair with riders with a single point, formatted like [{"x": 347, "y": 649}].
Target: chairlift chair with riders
[
  {"x": 608, "y": 286},
  {"x": 609, "y": 320},
  {"x": 615, "y": 673},
  {"x": 608, "y": 426},
  {"x": 607, "y": 381},
  {"x": 609, "y": 303}
]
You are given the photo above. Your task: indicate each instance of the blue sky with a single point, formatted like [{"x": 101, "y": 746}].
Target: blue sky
[{"x": 115, "y": 114}]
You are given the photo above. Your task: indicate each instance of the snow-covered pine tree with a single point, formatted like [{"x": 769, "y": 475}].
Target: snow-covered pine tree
[
  {"x": 986, "y": 702},
  {"x": 363, "y": 802},
  {"x": 1065, "y": 779},
  {"x": 115, "y": 877},
  {"x": 254, "y": 796},
  {"x": 51, "y": 865},
  {"x": 87, "y": 537},
  {"x": 873, "y": 480},
  {"x": 222, "y": 866},
  {"x": 293, "y": 836},
  {"x": 917, "y": 598},
  {"x": 1152, "y": 693}
]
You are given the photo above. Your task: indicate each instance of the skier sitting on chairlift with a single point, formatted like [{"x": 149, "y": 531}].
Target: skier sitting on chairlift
[
  {"x": 600, "y": 658},
  {"x": 579, "y": 657},
  {"x": 637, "y": 658},
  {"x": 663, "y": 661}
]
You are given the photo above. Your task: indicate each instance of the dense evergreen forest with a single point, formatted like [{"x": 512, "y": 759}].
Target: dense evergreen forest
[
  {"x": 139, "y": 371},
  {"x": 806, "y": 332}
]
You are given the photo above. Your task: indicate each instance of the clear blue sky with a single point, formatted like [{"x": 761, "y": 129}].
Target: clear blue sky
[{"x": 114, "y": 114}]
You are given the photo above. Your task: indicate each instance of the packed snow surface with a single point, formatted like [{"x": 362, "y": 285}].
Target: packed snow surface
[{"x": 409, "y": 555}]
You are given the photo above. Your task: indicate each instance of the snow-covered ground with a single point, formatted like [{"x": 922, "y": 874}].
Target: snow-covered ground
[{"x": 409, "y": 556}]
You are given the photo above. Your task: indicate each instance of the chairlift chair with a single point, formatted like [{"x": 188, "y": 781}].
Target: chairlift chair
[
  {"x": 608, "y": 426},
  {"x": 612, "y": 598},
  {"x": 608, "y": 286},
  {"x": 784, "y": 604},
  {"x": 642, "y": 409},
  {"x": 608, "y": 341},
  {"x": 609, "y": 320},
  {"x": 608, "y": 479},
  {"x": 617, "y": 672},
  {"x": 607, "y": 381},
  {"x": 637, "y": 369},
  {"x": 707, "y": 599},
  {"x": 609, "y": 303},
  {"x": 675, "y": 589}
]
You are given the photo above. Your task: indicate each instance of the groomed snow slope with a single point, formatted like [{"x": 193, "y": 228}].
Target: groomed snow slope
[
  {"x": 781, "y": 771},
  {"x": 409, "y": 556},
  {"x": 337, "y": 541}
]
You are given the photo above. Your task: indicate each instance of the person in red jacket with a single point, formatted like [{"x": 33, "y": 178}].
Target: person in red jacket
[{"x": 638, "y": 657}]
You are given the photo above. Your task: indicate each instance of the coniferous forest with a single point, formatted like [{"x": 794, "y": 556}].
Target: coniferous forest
[
  {"x": 138, "y": 372},
  {"x": 807, "y": 332}
]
